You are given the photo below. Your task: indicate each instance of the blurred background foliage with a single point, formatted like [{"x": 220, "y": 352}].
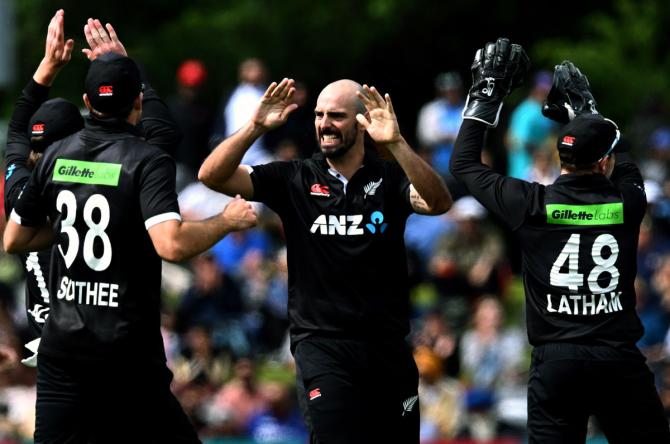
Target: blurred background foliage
[{"x": 397, "y": 45}]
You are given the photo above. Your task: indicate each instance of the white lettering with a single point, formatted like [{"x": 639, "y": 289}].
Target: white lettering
[
  {"x": 550, "y": 309},
  {"x": 101, "y": 294},
  {"x": 337, "y": 224},
  {"x": 586, "y": 304},
  {"x": 563, "y": 306},
  {"x": 354, "y": 229},
  {"x": 341, "y": 225}
]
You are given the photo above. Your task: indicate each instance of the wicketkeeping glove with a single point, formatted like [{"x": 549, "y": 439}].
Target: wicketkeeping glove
[
  {"x": 498, "y": 68},
  {"x": 570, "y": 94}
]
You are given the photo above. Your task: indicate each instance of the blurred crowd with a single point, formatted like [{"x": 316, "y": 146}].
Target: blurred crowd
[{"x": 225, "y": 316}]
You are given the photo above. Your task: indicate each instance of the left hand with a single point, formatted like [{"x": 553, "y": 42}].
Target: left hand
[
  {"x": 381, "y": 122},
  {"x": 101, "y": 40}
]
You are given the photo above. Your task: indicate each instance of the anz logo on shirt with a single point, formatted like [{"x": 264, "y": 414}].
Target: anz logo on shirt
[{"x": 348, "y": 225}]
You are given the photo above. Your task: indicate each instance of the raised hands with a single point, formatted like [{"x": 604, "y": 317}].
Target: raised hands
[
  {"x": 101, "y": 40},
  {"x": 276, "y": 105},
  {"x": 381, "y": 122},
  {"x": 239, "y": 214},
  {"x": 57, "y": 51}
]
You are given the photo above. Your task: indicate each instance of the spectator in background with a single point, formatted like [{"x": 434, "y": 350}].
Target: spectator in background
[
  {"x": 193, "y": 117},
  {"x": 528, "y": 128},
  {"x": 440, "y": 120},
  {"x": 440, "y": 398},
  {"x": 232, "y": 407},
  {"x": 213, "y": 298},
  {"x": 491, "y": 360},
  {"x": 655, "y": 165},
  {"x": 465, "y": 260},
  {"x": 239, "y": 108},
  {"x": 545, "y": 168},
  {"x": 280, "y": 422}
]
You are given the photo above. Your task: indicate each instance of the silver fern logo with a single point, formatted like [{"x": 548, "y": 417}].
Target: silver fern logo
[
  {"x": 371, "y": 188},
  {"x": 408, "y": 404}
]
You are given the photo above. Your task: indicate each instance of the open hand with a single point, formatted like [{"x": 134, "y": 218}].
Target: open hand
[
  {"x": 101, "y": 40},
  {"x": 239, "y": 214},
  {"x": 276, "y": 105},
  {"x": 57, "y": 51},
  {"x": 380, "y": 122}
]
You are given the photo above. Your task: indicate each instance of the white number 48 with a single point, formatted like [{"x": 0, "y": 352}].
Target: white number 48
[{"x": 573, "y": 279}]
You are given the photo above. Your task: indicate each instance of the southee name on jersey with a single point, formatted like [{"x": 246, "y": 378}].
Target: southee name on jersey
[
  {"x": 102, "y": 294},
  {"x": 600, "y": 214}
]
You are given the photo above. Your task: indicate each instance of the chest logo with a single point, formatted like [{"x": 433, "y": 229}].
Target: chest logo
[
  {"x": 371, "y": 188},
  {"x": 319, "y": 190},
  {"x": 377, "y": 225}
]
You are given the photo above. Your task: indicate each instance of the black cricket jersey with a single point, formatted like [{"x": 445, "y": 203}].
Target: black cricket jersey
[
  {"x": 578, "y": 240},
  {"x": 157, "y": 127},
  {"x": 102, "y": 189},
  {"x": 347, "y": 267}
]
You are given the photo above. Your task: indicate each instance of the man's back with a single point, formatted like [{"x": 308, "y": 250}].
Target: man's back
[
  {"x": 102, "y": 188},
  {"x": 579, "y": 243}
]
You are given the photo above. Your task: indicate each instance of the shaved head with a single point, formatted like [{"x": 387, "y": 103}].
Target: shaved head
[{"x": 344, "y": 91}]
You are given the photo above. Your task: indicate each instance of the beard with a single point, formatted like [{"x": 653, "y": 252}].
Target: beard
[{"x": 336, "y": 151}]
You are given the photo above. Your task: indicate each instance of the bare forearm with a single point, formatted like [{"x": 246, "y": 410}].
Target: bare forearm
[
  {"x": 194, "y": 237},
  {"x": 226, "y": 157},
  {"x": 18, "y": 239},
  {"x": 424, "y": 179}
]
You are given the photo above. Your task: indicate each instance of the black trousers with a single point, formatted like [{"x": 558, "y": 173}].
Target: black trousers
[
  {"x": 107, "y": 402},
  {"x": 569, "y": 382},
  {"x": 353, "y": 392}
]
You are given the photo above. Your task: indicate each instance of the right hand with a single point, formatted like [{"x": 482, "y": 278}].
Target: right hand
[
  {"x": 497, "y": 69},
  {"x": 101, "y": 40},
  {"x": 239, "y": 214},
  {"x": 57, "y": 51},
  {"x": 570, "y": 94},
  {"x": 276, "y": 105}
]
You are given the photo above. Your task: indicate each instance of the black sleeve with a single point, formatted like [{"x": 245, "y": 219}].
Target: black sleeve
[
  {"x": 271, "y": 183},
  {"x": 627, "y": 178},
  {"x": 30, "y": 210},
  {"x": 505, "y": 197},
  {"x": 18, "y": 142},
  {"x": 157, "y": 124},
  {"x": 158, "y": 198}
]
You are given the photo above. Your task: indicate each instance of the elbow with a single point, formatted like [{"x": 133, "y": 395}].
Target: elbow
[
  {"x": 442, "y": 205},
  {"x": 10, "y": 243},
  {"x": 205, "y": 176},
  {"x": 172, "y": 252}
]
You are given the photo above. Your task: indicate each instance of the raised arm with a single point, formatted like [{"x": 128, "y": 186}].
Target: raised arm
[
  {"x": 157, "y": 124},
  {"x": 496, "y": 70},
  {"x": 222, "y": 171},
  {"x": 428, "y": 193},
  {"x": 57, "y": 53}
]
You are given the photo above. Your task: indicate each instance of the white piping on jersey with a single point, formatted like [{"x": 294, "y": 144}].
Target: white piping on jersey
[
  {"x": 33, "y": 264},
  {"x": 336, "y": 174},
  {"x": 160, "y": 218},
  {"x": 15, "y": 217}
]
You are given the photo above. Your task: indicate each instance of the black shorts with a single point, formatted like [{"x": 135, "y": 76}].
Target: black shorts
[
  {"x": 110, "y": 402},
  {"x": 354, "y": 392},
  {"x": 568, "y": 383}
]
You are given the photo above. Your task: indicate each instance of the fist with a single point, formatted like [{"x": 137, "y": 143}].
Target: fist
[{"x": 239, "y": 214}]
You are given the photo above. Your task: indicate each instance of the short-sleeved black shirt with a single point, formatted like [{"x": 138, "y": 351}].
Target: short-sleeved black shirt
[
  {"x": 346, "y": 253},
  {"x": 101, "y": 189}
]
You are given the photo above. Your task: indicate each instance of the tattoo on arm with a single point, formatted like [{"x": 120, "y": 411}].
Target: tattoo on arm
[{"x": 418, "y": 204}]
